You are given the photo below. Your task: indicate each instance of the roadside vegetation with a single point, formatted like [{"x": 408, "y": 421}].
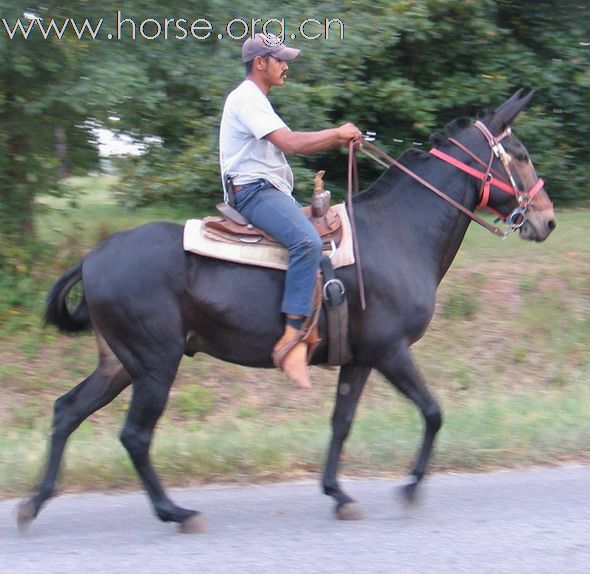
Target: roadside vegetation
[
  {"x": 507, "y": 352},
  {"x": 507, "y": 355}
]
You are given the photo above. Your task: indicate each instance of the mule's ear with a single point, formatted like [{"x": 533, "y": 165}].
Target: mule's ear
[{"x": 507, "y": 112}]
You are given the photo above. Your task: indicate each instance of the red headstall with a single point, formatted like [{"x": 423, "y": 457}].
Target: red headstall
[{"x": 489, "y": 177}]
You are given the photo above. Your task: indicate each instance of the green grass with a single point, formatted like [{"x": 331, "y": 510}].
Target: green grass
[
  {"x": 480, "y": 432},
  {"x": 507, "y": 355}
]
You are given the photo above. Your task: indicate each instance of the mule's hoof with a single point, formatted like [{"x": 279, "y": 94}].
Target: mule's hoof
[
  {"x": 409, "y": 493},
  {"x": 194, "y": 524},
  {"x": 25, "y": 514},
  {"x": 350, "y": 511}
]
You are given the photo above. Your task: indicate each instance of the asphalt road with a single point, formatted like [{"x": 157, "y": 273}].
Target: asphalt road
[{"x": 532, "y": 521}]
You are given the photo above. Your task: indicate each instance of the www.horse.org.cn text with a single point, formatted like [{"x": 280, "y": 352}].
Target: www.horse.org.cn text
[{"x": 125, "y": 28}]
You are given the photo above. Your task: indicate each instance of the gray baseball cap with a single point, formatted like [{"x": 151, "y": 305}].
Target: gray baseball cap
[{"x": 267, "y": 45}]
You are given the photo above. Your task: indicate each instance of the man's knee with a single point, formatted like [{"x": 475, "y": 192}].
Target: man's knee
[{"x": 311, "y": 246}]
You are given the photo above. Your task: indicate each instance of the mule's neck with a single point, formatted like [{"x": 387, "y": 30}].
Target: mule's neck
[{"x": 423, "y": 225}]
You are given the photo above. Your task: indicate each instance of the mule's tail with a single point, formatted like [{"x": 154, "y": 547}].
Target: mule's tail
[{"x": 56, "y": 307}]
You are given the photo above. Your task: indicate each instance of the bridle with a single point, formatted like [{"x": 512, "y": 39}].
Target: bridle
[{"x": 489, "y": 178}]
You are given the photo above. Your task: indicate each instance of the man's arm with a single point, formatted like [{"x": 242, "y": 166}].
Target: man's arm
[{"x": 311, "y": 142}]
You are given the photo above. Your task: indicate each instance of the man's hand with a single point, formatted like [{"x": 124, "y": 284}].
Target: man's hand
[
  {"x": 348, "y": 132},
  {"x": 313, "y": 142}
]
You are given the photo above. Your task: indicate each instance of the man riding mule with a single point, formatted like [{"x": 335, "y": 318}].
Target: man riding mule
[
  {"x": 150, "y": 302},
  {"x": 258, "y": 182}
]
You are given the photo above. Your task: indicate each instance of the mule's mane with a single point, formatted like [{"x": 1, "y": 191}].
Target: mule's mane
[
  {"x": 411, "y": 157},
  {"x": 455, "y": 127}
]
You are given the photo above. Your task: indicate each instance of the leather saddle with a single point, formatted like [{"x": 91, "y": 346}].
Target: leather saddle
[{"x": 235, "y": 228}]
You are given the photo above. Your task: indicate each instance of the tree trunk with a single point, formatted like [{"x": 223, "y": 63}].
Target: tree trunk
[
  {"x": 60, "y": 144},
  {"x": 17, "y": 193}
]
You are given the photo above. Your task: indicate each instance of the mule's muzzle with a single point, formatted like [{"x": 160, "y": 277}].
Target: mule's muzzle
[{"x": 538, "y": 225}]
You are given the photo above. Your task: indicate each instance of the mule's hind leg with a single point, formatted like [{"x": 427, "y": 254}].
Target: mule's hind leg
[
  {"x": 70, "y": 410},
  {"x": 150, "y": 394},
  {"x": 350, "y": 387},
  {"x": 399, "y": 368}
]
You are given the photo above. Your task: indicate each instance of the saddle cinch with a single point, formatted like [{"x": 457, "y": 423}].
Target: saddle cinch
[{"x": 235, "y": 228}]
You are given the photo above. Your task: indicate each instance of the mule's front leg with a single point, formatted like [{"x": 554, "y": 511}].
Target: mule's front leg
[
  {"x": 398, "y": 367},
  {"x": 350, "y": 387}
]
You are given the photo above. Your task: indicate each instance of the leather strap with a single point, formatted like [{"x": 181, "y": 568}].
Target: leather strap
[
  {"x": 353, "y": 184},
  {"x": 335, "y": 304},
  {"x": 393, "y": 162}
]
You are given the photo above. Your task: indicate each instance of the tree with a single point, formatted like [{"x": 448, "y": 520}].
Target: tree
[
  {"x": 400, "y": 68},
  {"x": 48, "y": 91}
]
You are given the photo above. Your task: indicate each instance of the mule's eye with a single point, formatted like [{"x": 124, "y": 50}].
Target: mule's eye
[{"x": 522, "y": 157}]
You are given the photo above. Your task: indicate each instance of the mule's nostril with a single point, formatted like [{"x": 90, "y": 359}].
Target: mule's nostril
[{"x": 551, "y": 224}]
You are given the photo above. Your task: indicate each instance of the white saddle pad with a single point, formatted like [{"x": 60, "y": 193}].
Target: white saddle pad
[{"x": 275, "y": 257}]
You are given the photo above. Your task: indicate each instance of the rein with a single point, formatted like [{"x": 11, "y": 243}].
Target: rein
[
  {"x": 489, "y": 179},
  {"x": 393, "y": 162},
  {"x": 353, "y": 185}
]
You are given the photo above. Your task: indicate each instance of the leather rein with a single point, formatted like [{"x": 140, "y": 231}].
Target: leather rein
[{"x": 488, "y": 177}]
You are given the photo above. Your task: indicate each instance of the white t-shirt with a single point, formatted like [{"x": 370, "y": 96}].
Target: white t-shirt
[{"x": 244, "y": 154}]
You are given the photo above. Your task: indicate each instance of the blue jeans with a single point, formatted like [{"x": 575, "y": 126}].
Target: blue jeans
[{"x": 280, "y": 216}]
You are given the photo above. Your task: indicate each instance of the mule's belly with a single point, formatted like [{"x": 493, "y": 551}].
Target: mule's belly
[{"x": 235, "y": 311}]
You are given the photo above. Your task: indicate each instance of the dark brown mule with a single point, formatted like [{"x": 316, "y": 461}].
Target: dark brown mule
[{"x": 149, "y": 303}]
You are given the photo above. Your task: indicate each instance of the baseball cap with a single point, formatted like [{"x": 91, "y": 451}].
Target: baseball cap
[{"x": 267, "y": 45}]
